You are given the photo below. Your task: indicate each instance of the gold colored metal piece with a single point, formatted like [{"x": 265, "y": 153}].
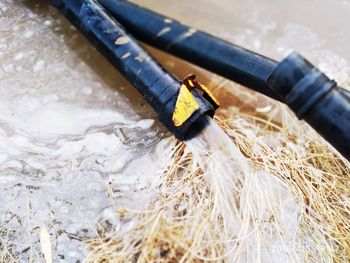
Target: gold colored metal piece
[
  {"x": 185, "y": 106},
  {"x": 208, "y": 92},
  {"x": 191, "y": 82}
]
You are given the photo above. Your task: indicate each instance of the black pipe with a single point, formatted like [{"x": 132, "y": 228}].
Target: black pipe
[
  {"x": 214, "y": 54},
  {"x": 159, "y": 87},
  {"x": 307, "y": 91},
  {"x": 314, "y": 98}
]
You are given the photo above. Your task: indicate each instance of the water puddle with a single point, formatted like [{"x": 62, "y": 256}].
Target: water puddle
[{"x": 61, "y": 167}]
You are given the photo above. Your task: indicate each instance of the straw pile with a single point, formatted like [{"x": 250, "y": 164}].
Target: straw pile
[{"x": 295, "y": 206}]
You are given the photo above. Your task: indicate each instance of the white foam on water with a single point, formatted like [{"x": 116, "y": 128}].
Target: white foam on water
[
  {"x": 57, "y": 162},
  {"x": 72, "y": 150}
]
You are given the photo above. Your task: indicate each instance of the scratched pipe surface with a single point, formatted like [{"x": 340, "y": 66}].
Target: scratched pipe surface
[
  {"x": 226, "y": 59},
  {"x": 159, "y": 87}
]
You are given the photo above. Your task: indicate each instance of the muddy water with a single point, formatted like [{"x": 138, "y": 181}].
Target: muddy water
[{"x": 76, "y": 139}]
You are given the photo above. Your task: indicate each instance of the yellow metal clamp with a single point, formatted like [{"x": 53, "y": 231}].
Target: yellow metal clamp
[{"x": 186, "y": 104}]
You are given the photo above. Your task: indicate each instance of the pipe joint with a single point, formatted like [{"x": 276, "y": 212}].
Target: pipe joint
[{"x": 314, "y": 98}]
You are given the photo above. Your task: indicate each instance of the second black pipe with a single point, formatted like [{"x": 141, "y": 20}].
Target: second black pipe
[{"x": 214, "y": 54}]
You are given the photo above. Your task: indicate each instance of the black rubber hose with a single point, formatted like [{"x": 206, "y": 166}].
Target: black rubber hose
[
  {"x": 159, "y": 87},
  {"x": 214, "y": 54},
  {"x": 328, "y": 112},
  {"x": 316, "y": 99}
]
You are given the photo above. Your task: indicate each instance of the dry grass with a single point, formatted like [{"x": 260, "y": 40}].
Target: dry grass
[
  {"x": 318, "y": 179},
  {"x": 175, "y": 227},
  {"x": 6, "y": 253},
  {"x": 292, "y": 205}
]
